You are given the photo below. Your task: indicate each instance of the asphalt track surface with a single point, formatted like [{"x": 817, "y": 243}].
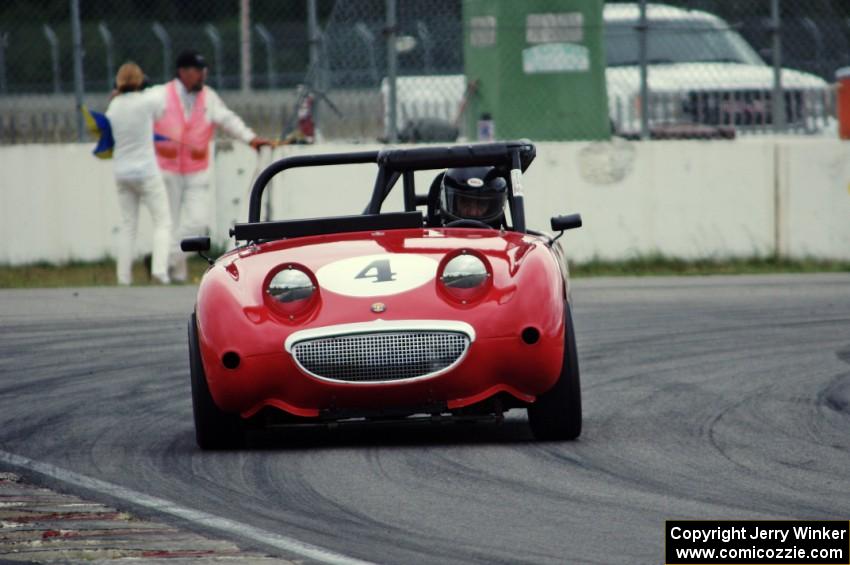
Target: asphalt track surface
[{"x": 718, "y": 397}]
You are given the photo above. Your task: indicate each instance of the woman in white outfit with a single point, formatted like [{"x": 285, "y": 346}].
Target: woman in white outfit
[{"x": 132, "y": 114}]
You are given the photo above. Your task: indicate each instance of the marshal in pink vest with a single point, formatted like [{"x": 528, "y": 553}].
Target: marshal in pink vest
[{"x": 187, "y": 147}]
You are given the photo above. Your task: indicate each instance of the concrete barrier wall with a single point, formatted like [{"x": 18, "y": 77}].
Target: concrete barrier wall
[
  {"x": 683, "y": 199},
  {"x": 814, "y": 199}
]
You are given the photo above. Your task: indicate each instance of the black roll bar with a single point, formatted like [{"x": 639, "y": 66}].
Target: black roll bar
[
  {"x": 514, "y": 156},
  {"x": 479, "y": 154},
  {"x": 256, "y": 201}
]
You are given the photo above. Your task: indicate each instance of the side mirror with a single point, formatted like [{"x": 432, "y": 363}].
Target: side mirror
[
  {"x": 562, "y": 223},
  {"x": 197, "y": 244}
]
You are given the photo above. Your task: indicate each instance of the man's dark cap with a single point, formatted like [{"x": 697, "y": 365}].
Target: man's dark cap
[{"x": 191, "y": 58}]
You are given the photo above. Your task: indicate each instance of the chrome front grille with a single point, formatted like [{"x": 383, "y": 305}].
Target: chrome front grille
[
  {"x": 743, "y": 108},
  {"x": 381, "y": 356}
]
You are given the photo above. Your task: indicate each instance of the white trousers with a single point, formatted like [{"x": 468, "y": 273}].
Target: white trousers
[
  {"x": 150, "y": 192},
  {"x": 189, "y": 197}
]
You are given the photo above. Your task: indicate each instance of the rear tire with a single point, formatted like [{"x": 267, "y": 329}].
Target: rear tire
[
  {"x": 214, "y": 428},
  {"x": 556, "y": 414}
]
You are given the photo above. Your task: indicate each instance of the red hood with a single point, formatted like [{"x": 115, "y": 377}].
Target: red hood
[
  {"x": 523, "y": 267},
  {"x": 317, "y": 251}
]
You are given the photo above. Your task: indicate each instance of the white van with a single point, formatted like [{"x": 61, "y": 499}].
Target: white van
[{"x": 701, "y": 72}]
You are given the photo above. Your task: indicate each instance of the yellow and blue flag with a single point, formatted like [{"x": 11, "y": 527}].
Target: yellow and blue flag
[{"x": 99, "y": 126}]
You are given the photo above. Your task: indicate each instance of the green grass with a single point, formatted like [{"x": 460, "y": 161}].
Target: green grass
[
  {"x": 659, "y": 265},
  {"x": 95, "y": 273},
  {"x": 102, "y": 273}
]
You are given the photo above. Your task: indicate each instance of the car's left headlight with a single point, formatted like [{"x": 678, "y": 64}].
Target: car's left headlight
[{"x": 464, "y": 276}]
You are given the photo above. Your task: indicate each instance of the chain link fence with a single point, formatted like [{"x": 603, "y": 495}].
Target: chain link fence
[
  {"x": 711, "y": 65},
  {"x": 736, "y": 67}
]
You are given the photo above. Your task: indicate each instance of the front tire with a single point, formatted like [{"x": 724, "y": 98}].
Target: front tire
[
  {"x": 556, "y": 414},
  {"x": 214, "y": 428}
]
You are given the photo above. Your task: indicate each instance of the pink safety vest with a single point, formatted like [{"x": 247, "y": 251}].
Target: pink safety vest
[{"x": 187, "y": 148}]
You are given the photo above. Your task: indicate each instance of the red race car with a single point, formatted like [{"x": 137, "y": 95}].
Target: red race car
[{"x": 450, "y": 314}]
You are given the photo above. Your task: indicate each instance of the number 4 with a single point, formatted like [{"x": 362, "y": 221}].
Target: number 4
[{"x": 382, "y": 271}]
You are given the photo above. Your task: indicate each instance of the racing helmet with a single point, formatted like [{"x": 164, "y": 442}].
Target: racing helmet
[{"x": 473, "y": 193}]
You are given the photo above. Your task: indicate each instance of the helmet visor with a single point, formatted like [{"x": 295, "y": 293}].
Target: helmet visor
[{"x": 483, "y": 206}]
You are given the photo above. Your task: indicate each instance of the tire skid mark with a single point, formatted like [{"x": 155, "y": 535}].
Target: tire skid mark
[
  {"x": 769, "y": 459},
  {"x": 844, "y": 355},
  {"x": 836, "y": 395}
]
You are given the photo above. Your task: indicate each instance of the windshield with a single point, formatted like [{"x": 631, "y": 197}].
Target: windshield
[{"x": 677, "y": 41}]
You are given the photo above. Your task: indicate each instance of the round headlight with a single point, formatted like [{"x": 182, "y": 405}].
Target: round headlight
[
  {"x": 292, "y": 291},
  {"x": 291, "y": 285},
  {"x": 465, "y": 277},
  {"x": 464, "y": 271}
]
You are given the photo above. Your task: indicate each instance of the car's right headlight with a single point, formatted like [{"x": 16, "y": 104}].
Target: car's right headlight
[{"x": 292, "y": 290}]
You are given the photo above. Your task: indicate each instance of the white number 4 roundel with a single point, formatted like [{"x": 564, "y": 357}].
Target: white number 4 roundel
[{"x": 377, "y": 275}]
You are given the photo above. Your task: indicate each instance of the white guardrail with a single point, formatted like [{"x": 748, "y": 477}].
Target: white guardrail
[{"x": 687, "y": 199}]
